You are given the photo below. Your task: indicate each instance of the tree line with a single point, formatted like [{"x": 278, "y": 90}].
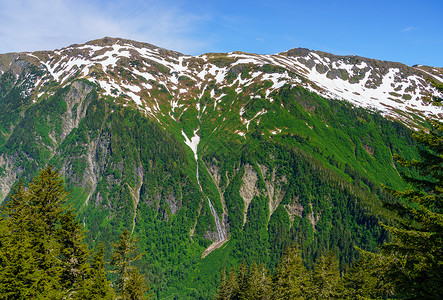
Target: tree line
[{"x": 292, "y": 280}]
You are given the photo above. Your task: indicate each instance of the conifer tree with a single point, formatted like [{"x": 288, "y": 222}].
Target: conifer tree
[
  {"x": 325, "y": 277},
  {"x": 130, "y": 284},
  {"x": 43, "y": 254},
  {"x": 366, "y": 280},
  {"x": 259, "y": 283},
  {"x": 417, "y": 247},
  {"x": 74, "y": 253},
  {"x": 243, "y": 281},
  {"x": 136, "y": 287},
  {"x": 222, "y": 288},
  {"x": 32, "y": 268},
  {"x": 291, "y": 279},
  {"x": 100, "y": 284},
  {"x": 228, "y": 288},
  {"x": 96, "y": 285}
]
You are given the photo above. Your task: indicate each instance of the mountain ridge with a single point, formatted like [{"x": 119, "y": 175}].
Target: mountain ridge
[{"x": 397, "y": 90}]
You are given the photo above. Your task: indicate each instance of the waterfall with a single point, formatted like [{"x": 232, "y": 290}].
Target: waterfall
[
  {"x": 220, "y": 234},
  {"x": 193, "y": 143}
]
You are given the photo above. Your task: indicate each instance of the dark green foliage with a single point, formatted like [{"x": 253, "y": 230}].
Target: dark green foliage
[
  {"x": 43, "y": 254},
  {"x": 279, "y": 233},
  {"x": 229, "y": 288},
  {"x": 42, "y": 120},
  {"x": 325, "y": 277},
  {"x": 331, "y": 198},
  {"x": 333, "y": 213},
  {"x": 259, "y": 283},
  {"x": 254, "y": 283},
  {"x": 291, "y": 280},
  {"x": 253, "y": 240},
  {"x": 366, "y": 280},
  {"x": 235, "y": 203},
  {"x": 438, "y": 86},
  {"x": 74, "y": 253},
  {"x": 13, "y": 98},
  {"x": 416, "y": 265},
  {"x": 130, "y": 284},
  {"x": 33, "y": 215},
  {"x": 42, "y": 249},
  {"x": 97, "y": 285}
]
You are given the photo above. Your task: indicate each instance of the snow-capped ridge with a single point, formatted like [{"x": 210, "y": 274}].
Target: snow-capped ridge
[{"x": 138, "y": 71}]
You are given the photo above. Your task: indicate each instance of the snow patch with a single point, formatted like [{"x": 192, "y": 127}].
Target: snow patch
[{"x": 192, "y": 143}]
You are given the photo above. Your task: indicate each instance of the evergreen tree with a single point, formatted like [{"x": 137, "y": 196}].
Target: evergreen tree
[
  {"x": 259, "y": 283},
  {"x": 136, "y": 287},
  {"x": 223, "y": 287},
  {"x": 130, "y": 284},
  {"x": 291, "y": 279},
  {"x": 243, "y": 281},
  {"x": 32, "y": 266},
  {"x": 325, "y": 277},
  {"x": 228, "y": 288},
  {"x": 43, "y": 254},
  {"x": 74, "y": 253},
  {"x": 417, "y": 246},
  {"x": 97, "y": 286},
  {"x": 17, "y": 264},
  {"x": 366, "y": 278}
]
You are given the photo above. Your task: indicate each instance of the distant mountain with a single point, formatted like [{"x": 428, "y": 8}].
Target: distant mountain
[{"x": 218, "y": 158}]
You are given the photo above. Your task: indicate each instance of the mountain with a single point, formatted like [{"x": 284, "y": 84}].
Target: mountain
[{"x": 219, "y": 158}]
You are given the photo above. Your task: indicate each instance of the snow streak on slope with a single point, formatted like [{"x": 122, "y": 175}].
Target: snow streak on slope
[
  {"x": 193, "y": 144},
  {"x": 138, "y": 72},
  {"x": 393, "y": 90}
]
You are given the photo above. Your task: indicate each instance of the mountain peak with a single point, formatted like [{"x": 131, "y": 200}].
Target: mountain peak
[{"x": 110, "y": 41}]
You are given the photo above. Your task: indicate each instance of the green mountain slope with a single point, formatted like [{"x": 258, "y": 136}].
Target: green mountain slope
[{"x": 231, "y": 169}]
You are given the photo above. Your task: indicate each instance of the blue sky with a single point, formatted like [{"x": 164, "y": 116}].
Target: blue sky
[{"x": 406, "y": 31}]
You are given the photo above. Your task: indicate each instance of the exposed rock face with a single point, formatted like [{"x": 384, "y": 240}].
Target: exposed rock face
[
  {"x": 77, "y": 104},
  {"x": 10, "y": 175},
  {"x": 76, "y": 101},
  {"x": 248, "y": 188},
  {"x": 131, "y": 125},
  {"x": 274, "y": 187},
  {"x": 294, "y": 209},
  {"x": 174, "y": 204},
  {"x": 214, "y": 172},
  {"x": 135, "y": 193},
  {"x": 161, "y": 82}
]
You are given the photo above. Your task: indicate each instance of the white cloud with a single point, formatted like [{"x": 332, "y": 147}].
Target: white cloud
[
  {"x": 27, "y": 25},
  {"x": 408, "y": 29}
]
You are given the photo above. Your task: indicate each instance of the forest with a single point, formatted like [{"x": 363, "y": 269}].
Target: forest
[{"x": 43, "y": 252}]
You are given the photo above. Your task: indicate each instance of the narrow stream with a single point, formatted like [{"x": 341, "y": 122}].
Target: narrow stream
[
  {"x": 220, "y": 234},
  {"x": 193, "y": 144}
]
